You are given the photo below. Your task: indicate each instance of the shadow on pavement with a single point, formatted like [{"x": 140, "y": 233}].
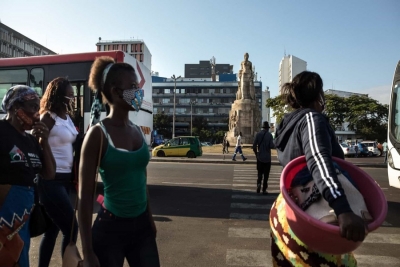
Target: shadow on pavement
[{"x": 393, "y": 216}]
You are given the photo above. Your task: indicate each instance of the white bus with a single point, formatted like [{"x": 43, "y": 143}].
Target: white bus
[
  {"x": 393, "y": 157},
  {"x": 38, "y": 71}
]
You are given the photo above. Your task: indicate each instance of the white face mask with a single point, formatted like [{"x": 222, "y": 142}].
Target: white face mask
[{"x": 133, "y": 97}]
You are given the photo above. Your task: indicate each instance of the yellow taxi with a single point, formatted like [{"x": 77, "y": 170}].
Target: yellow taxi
[{"x": 182, "y": 146}]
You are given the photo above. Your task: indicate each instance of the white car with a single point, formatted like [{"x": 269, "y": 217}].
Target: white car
[
  {"x": 372, "y": 148},
  {"x": 348, "y": 150}
]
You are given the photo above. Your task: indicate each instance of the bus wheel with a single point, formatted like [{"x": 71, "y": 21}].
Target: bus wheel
[
  {"x": 160, "y": 153},
  {"x": 370, "y": 154},
  {"x": 191, "y": 154}
]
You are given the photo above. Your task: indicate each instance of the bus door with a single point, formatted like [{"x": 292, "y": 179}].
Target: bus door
[
  {"x": 394, "y": 132},
  {"x": 79, "y": 90}
]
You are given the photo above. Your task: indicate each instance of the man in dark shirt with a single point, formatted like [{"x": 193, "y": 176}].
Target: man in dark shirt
[{"x": 263, "y": 143}]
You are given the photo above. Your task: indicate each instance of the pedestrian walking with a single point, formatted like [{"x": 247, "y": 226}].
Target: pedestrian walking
[
  {"x": 124, "y": 227},
  {"x": 56, "y": 110},
  {"x": 224, "y": 145},
  {"x": 238, "y": 148},
  {"x": 306, "y": 131},
  {"x": 356, "y": 149},
  {"x": 384, "y": 147},
  {"x": 22, "y": 157},
  {"x": 262, "y": 145}
]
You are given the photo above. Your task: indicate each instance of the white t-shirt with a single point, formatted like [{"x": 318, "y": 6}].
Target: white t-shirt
[
  {"x": 61, "y": 138},
  {"x": 239, "y": 141}
]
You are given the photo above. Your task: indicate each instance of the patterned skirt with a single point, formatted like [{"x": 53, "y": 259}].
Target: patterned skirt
[
  {"x": 288, "y": 251},
  {"x": 16, "y": 203}
]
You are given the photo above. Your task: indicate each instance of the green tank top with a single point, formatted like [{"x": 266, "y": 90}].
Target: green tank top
[{"x": 124, "y": 177}]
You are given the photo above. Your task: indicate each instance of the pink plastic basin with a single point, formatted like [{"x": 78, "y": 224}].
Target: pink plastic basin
[{"x": 322, "y": 237}]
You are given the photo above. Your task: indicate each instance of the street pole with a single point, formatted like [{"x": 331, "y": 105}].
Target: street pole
[
  {"x": 173, "y": 116},
  {"x": 191, "y": 116}
]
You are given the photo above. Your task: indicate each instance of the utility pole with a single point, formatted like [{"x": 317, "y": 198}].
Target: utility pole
[
  {"x": 173, "y": 116},
  {"x": 191, "y": 116}
]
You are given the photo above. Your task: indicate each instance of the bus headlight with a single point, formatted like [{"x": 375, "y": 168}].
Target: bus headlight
[{"x": 390, "y": 159}]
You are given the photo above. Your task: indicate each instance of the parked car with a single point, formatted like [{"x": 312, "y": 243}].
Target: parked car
[
  {"x": 348, "y": 150},
  {"x": 362, "y": 150},
  {"x": 206, "y": 144},
  {"x": 157, "y": 140},
  {"x": 372, "y": 148},
  {"x": 182, "y": 146}
]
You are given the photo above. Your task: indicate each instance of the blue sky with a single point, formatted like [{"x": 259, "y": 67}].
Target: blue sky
[{"x": 353, "y": 45}]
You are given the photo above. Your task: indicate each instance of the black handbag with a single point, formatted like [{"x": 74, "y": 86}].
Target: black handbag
[{"x": 39, "y": 220}]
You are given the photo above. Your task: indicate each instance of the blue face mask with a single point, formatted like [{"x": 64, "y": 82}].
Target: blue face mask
[{"x": 134, "y": 97}]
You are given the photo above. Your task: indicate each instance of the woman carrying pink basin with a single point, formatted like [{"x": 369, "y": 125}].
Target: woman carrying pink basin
[{"x": 306, "y": 131}]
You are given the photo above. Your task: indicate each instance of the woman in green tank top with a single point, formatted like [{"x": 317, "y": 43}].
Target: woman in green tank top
[{"x": 124, "y": 227}]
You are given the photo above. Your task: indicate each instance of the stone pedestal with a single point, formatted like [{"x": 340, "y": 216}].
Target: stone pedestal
[{"x": 245, "y": 117}]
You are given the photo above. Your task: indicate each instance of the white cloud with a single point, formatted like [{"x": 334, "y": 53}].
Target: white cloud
[{"x": 380, "y": 93}]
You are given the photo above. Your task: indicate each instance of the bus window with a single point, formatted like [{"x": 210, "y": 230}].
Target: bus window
[
  {"x": 79, "y": 89},
  {"x": 395, "y": 118},
  {"x": 36, "y": 80},
  {"x": 9, "y": 78}
]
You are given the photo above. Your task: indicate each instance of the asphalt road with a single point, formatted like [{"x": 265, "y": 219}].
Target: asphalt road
[{"x": 209, "y": 215}]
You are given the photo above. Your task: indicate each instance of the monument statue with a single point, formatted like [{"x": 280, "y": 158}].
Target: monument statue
[
  {"x": 245, "y": 114},
  {"x": 246, "y": 80}
]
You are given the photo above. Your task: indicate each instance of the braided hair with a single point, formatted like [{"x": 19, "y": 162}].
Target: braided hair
[{"x": 54, "y": 97}]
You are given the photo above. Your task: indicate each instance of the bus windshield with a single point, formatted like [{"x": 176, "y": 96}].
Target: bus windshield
[{"x": 395, "y": 110}]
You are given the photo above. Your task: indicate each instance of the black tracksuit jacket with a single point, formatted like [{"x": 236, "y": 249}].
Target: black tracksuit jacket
[{"x": 307, "y": 132}]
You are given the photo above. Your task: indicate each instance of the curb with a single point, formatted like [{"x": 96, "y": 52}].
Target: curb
[{"x": 229, "y": 161}]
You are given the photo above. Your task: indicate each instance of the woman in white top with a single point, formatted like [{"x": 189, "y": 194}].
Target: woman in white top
[{"x": 56, "y": 110}]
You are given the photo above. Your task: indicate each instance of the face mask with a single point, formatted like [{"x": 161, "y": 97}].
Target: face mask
[{"x": 133, "y": 97}]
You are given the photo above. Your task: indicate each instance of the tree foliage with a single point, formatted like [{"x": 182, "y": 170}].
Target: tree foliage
[
  {"x": 336, "y": 109},
  {"x": 278, "y": 106},
  {"x": 200, "y": 123},
  {"x": 366, "y": 116},
  {"x": 162, "y": 123}
]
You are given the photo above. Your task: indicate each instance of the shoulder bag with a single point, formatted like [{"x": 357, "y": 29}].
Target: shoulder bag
[
  {"x": 72, "y": 257},
  {"x": 39, "y": 220}
]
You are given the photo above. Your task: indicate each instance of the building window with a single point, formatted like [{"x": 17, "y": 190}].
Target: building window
[
  {"x": 183, "y": 91},
  {"x": 184, "y": 100},
  {"x": 99, "y": 48},
  {"x": 141, "y": 57},
  {"x": 165, "y": 100},
  {"x": 167, "y": 91}
]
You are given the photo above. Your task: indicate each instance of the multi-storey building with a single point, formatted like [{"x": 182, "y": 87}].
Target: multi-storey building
[
  {"x": 203, "y": 97},
  {"x": 15, "y": 44},
  {"x": 343, "y": 132},
  {"x": 265, "y": 112},
  {"x": 289, "y": 67},
  {"x": 135, "y": 47},
  {"x": 203, "y": 69}
]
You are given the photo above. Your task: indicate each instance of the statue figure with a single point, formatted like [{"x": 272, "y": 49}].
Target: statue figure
[
  {"x": 232, "y": 121},
  {"x": 246, "y": 79}
]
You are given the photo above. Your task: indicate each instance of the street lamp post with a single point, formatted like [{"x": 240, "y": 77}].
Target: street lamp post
[
  {"x": 191, "y": 116},
  {"x": 173, "y": 116}
]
